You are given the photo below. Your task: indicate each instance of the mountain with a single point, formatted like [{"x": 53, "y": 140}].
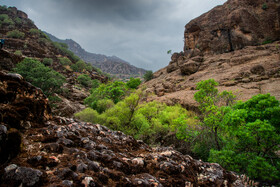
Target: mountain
[
  {"x": 237, "y": 44},
  {"x": 23, "y": 39},
  {"x": 108, "y": 64}
]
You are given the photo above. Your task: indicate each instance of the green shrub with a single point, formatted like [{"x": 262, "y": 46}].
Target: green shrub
[
  {"x": 264, "y": 6},
  {"x": 41, "y": 76},
  {"x": 35, "y": 32},
  {"x": 84, "y": 80},
  {"x": 15, "y": 34},
  {"x": 133, "y": 83},
  {"x": 47, "y": 61},
  {"x": 103, "y": 105},
  {"x": 18, "y": 53},
  {"x": 64, "y": 61},
  {"x": 95, "y": 83},
  {"x": 88, "y": 115},
  {"x": 79, "y": 66},
  {"x": 64, "y": 49},
  {"x": 18, "y": 21},
  {"x": 148, "y": 76}
]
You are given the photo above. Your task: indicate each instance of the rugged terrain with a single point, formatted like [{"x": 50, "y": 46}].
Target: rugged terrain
[
  {"x": 225, "y": 44},
  {"x": 38, "y": 149},
  {"x": 108, "y": 64},
  {"x": 35, "y": 44}
]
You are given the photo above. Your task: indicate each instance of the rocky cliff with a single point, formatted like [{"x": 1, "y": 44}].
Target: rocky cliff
[
  {"x": 23, "y": 39},
  {"x": 108, "y": 64},
  {"x": 225, "y": 44},
  {"x": 38, "y": 149}
]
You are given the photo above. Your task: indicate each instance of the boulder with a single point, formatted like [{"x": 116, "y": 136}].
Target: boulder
[{"x": 189, "y": 68}]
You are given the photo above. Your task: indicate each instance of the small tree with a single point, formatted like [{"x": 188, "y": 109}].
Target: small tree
[
  {"x": 148, "y": 76},
  {"x": 133, "y": 83}
]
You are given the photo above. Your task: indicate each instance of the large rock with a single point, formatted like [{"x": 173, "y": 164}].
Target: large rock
[{"x": 234, "y": 25}]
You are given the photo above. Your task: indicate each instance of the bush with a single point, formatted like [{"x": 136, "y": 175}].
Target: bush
[
  {"x": 41, "y": 76},
  {"x": 88, "y": 115},
  {"x": 79, "y": 66},
  {"x": 84, "y": 80},
  {"x": 64, "y": 49},
  {"x": 133, "y": 83},
  {"x": 47, "y": 61},
  {"x": 65, "y": 61},
  {"x": 15, "y": 34},
  {"x": 148, "y": 76},
  {"x": 103, "y": 105},
  {"x": 35, "y": 32},
  {"x": 18, "y": 53}
]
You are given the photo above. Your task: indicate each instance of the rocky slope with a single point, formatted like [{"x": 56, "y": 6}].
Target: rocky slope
[
  {"x": 224, "y": 44},
  {"x": 35, "y": 44},
  {"x": 108, "y": 64},
  {"x": 38, "y": 149}
]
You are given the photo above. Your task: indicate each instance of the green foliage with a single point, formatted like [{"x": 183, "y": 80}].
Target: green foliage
[
  {"x": 47, "y": 61},
  {"x": 18, "y": 53},
  {"x": 18, "y": 20},
  {"x": 5, "y": 20},
  {"x": 169, "y": 51},
  {"x": 64, "y": 49},
  {"x": 103, "y": 105},
  {"x": 64, "y": 61},
  {"x": 39, "y": 75},
  {"x": 85, "y": 80},
  {"x": 36, "y": 32},
  {"x": 79, "y": 66},
  {"x": 112, "y": 90},
  {"x": 148, "y": 76},
  {"x": 147, "y": 121},
  {"x": 15, "y": 34},
  {"x": 252, "y": 139},
  {"x": 133, "y": 83},
  {"x": 264, "y": 6},
  {"x": 88, "y": 115},
  {"x": 95, "y": 83}
]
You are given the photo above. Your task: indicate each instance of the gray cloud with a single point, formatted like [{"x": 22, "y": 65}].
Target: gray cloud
[{"x": 139, "y": 31}]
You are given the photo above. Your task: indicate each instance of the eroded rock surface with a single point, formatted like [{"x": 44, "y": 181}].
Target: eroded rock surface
[
  {"x": 234, "y": 25},
  {"x": 60, "y": 151}
]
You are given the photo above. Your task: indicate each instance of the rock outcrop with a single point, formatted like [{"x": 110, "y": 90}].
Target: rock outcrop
[
  {"x": 234, "y": 25},
  {"x": 227, "y": 44},
  {"x": 58, "y": 151}
]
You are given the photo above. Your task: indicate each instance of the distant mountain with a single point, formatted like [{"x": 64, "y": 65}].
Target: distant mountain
[{"x": 108, "y": 64}]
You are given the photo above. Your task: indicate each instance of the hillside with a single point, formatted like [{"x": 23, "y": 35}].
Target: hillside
[
  {"x": 23, "y": 39},
  {"x": 108, "y": 64},
  {"x": 225, "y": 45},
  {"x": 38, "y": 149}
]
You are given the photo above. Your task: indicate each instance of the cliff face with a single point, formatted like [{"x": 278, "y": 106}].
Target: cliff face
[
  {"x": 108, "y": 64},
  {"x": 225, "y": 44},
  {"x": 234, "y": 25},
  {"x": 37, "y": 149}
]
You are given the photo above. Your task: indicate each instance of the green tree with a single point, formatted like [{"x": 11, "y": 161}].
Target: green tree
[
  {"x": 148, "y": 76},
  {"x": 79, "y": 66},
  {"x": 253, "y": 139},
  {"x": 85, "y": 80},
  {"x": 39, "y": 75},
  {"x": 133, "y": 83}
]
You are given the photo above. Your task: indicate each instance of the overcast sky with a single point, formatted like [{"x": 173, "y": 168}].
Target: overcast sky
[{"x": 138, "y": 31}]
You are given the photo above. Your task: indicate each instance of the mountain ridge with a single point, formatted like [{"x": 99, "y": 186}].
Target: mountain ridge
[{"x": 108, "y": 64}]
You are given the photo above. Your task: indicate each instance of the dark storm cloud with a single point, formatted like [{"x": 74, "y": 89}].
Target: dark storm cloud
[{"x": 139, "y": 31}]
